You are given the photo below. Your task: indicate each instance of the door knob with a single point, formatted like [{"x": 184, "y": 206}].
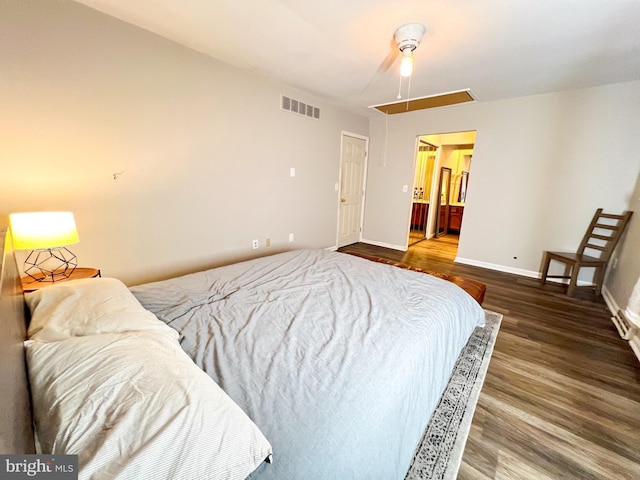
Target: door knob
[{"x": 342, "y": 200}]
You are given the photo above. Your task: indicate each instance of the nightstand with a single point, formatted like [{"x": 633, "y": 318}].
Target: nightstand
[{"x": 29, "y": 284}]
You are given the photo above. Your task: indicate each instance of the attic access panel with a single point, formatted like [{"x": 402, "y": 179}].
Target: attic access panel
[{"x": 433, "y": 101}]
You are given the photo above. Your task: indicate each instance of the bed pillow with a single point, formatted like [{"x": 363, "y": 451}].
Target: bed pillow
[
  {"x": 87, "y": 306},
  {"x": 134, "y": 405}
]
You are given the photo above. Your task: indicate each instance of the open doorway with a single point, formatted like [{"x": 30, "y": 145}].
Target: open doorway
[{"x": 442, "y": 172}]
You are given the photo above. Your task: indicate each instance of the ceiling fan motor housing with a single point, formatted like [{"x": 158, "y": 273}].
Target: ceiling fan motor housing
[{"x": 408, "y": 36}]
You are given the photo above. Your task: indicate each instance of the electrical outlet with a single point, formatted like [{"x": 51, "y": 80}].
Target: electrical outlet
[
  {"x": 255, "y": 244},
  {"x": 267, "y": 242},
  {"x": 291, "y": 237}
]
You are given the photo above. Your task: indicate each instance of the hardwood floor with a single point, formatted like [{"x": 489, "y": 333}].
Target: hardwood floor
[{"x": 562, "y": 395}]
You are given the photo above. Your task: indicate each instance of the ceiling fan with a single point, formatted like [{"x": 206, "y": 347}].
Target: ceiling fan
[{"x": 406, "y": 39}]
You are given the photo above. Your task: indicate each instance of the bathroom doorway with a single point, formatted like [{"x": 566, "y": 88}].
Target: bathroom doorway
[{"x": 441, "y": 180}]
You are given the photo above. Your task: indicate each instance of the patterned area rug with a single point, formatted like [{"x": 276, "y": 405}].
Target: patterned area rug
[{"x": 440, "y": 451}]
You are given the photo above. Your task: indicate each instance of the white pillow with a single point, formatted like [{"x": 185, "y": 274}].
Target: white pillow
[
  {"x": 133, "y": 405},
  {"x": 88, "y": 306}
]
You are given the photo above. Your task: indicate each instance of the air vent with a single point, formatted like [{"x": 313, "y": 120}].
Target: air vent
[{"x": 292, "y": 105}]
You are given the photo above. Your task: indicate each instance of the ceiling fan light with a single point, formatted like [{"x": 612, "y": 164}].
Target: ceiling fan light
[{"x": 406, "y": 65}]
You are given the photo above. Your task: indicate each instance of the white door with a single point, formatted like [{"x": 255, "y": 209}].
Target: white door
[{"x": 352, "y": 171}]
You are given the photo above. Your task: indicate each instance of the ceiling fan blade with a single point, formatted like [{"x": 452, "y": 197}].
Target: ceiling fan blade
[
  {"x": 389, "y": 60},
  {"x": 392, "y": 57}
]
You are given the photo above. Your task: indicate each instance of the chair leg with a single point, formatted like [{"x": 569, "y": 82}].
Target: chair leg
[
  {"x": 545, "y": 269},
  {"x": 573, "y": 282},
  {"x": 598, "y": 278}
]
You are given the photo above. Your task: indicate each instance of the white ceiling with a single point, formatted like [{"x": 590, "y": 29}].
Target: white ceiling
[{"x": 335, "y": 48}]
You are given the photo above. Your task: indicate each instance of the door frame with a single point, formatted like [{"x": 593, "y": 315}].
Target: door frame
[
  {"x": 440, "y": 162},
  {"x": 345, "y": 133},
  {"x": 426, "y": 195}
]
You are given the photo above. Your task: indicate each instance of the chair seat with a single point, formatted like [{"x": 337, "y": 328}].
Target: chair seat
[{"x": 577, "y": 258}]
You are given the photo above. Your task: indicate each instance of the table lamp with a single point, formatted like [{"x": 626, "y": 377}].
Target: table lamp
[{"x": 47, "y": 235}]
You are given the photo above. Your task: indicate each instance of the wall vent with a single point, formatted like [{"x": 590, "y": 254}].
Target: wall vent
[{"x": 292, "y": 105}]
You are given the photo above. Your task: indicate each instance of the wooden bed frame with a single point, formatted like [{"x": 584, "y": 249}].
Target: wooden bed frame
[{"x": 16, "y": 425}]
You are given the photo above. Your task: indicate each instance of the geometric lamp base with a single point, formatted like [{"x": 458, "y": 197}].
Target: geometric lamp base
[{"x": 50, "y": 265}]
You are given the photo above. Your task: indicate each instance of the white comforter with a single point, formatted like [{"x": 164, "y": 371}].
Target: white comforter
[{"x": 338, "y": 360}]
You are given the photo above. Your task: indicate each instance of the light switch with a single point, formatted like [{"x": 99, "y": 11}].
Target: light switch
[
  {"x": 405, "y": 188},
  {"x": 292, "y": 172}
]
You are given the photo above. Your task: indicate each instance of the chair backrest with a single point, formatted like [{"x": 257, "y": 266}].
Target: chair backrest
[{"x": 604, "y": 232}]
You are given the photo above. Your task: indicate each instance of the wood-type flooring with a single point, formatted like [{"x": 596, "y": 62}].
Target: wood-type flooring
[{"x": 562, "y": 394}]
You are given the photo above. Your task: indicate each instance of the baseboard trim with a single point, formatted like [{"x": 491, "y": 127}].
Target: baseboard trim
[
  {"x": 515, "y": 271},
  {"x": 385, "y": 245},
  {"x": 499, "y": 268},
  {"x": 612, "y": 305}
]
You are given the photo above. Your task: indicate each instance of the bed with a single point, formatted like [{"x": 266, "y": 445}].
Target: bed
[{"x": 338, "y": 360}]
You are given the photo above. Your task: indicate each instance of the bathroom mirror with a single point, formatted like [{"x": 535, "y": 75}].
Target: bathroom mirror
[
  {"x": 463, "y": 187},
  {"x": 442, "y": 218}
]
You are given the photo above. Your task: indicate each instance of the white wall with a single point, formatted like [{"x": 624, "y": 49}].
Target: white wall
[
  {"x": 541, "y": 166},
  {"x": 204, "y": 149}
]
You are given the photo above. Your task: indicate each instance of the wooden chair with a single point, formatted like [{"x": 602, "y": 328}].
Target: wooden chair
[{"x": 601, "y": 237}]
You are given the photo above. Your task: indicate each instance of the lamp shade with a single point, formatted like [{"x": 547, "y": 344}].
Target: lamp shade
[{"x": 43, "y": 230}]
